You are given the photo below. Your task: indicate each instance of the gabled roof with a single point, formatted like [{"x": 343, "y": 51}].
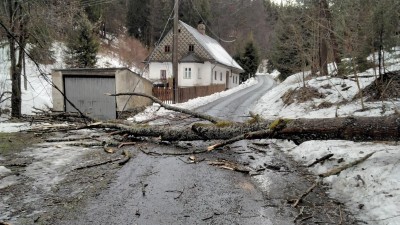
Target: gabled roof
[
  {"x": 192, "y": 57},
  {"x": 212, "y": 46}
]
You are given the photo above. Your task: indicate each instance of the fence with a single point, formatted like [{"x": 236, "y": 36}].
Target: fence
[{"x": 186, "y": 93}]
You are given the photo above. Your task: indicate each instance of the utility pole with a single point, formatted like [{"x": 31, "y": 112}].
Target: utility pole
[{"x": 175, "y": 54}]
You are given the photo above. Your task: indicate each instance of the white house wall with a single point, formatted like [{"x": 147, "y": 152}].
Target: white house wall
[
  {"x": 202, "y": 74},
  {"x": 156, "y": 67}
]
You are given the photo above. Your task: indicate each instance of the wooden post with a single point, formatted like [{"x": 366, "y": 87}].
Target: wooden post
[{"x": 175, "y": 53}]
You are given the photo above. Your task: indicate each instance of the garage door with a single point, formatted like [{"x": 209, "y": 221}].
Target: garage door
[{"x": 87, "y": 94}]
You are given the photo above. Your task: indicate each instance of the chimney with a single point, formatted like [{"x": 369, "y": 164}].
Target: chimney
[{"x": 201, "y": 28}]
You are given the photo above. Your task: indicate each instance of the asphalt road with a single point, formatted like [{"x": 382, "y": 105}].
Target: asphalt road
[
  {"x": 163, "y": 189},
  {"x": 237, "y": 106}
]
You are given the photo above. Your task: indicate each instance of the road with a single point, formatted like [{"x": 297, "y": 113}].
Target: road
[
  {"x": 237, "y": 106},
  {"x": 158, "y": 188}
]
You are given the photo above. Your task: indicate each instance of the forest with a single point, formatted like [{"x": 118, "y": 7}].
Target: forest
[{"x": 293, "y": 36}]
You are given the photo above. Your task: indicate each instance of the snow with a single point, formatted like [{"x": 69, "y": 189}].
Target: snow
[
  {"x": 373, "y": 186},
  {"x": 371, "y": 190},
  {"x": 13, "y": 127},
  {"x": 155, "y": 111}
]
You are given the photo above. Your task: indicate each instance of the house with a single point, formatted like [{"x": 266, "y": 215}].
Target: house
[
  {"x": 86, "y": 89},
  {"x": 202, "y": 61}
]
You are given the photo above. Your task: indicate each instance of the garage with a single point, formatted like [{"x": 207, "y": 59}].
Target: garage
[
  {"x": 86, "y": 88},
  {"x": 87, "y": 94}
]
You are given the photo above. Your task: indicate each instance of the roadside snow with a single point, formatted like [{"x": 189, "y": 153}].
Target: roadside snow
[
  {"x": 371, "y": 189},
  {"x": 13, "y": 127},
  {"x": 154, "y": 110}
]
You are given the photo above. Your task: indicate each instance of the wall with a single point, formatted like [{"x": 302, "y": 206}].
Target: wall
[
  {"x": 58, "y": 99},
  {"x": 207, "y": 71},
  {"x": 200, "y": 74},
  {"x": 156, "y": 67},
  {"x": 127, "y": 81}
]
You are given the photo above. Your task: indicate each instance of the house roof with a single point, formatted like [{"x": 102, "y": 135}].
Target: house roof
[
  {"x": 218, "y": 53},
  {"x": 192, "y": 57}
]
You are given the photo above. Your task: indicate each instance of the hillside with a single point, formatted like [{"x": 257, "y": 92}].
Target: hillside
[{"x": 38, "y": 89}]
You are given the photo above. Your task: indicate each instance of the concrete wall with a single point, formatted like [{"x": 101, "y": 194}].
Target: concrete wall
[
  {"x": 58, "y": 99},
  {"x": 126, "y": 81}
]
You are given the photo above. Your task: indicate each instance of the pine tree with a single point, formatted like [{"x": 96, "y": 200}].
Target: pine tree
[
  {"x": 137, "y": 20},
  {"x": 285, "y": 52},
  {"x": 82, "y": 45},
  {"x": 249, "y": 60}
]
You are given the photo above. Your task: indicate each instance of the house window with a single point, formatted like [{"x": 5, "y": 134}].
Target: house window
[
  {"x": 220, "y": 76},
  {"x": 163, "y": 75},
  {"x": 215, "y": 75},
  {"x": 167, "y": 48},
  {"x": 188, "y": 73},
  {"x": 191, "y": 48},
  {"x": 198, "y": 73}
]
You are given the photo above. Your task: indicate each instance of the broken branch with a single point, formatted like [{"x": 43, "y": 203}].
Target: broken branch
[
  {"x": 346, "y": 166},
  {"x": 309, "y": 190},
  {"x": 173, "y": 108},
  {"x": 322, "y": 159}
]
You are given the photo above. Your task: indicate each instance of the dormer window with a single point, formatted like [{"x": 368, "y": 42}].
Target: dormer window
[
  {"x": 167, "y": 48},
  {"x": 191, "y": 48}
]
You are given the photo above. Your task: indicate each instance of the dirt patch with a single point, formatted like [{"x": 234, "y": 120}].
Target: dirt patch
[
  {"x": 385, "y": 87},
  {"x": 11, "y": 143},
  {"x": 325, "y": 105},
  {"x": 301, "y": 95}
]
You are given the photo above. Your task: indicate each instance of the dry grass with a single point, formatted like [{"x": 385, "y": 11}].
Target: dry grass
[
  {"x": 128, "y": 49},
  {"x": 384, "y": 88},
  {"x": 301, "y": 95}
]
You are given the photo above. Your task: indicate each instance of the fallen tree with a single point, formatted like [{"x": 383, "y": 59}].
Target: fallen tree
[{"x": 386, "y": 128}]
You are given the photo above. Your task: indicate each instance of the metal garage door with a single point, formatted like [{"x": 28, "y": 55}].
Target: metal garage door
[{"x": 87, "y": 94}]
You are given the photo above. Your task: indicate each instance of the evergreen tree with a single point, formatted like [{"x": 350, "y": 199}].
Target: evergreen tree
[
  {"x": 191, "y": 12},
  {"x": 284, "y": 54},
  {"x": 82, "y": 45},
  {"x": 137, "y": 20},
  {"x": 249, "y": 60}
]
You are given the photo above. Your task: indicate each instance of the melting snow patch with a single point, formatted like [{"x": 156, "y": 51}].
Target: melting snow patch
[{"x": 372, "y": 188}]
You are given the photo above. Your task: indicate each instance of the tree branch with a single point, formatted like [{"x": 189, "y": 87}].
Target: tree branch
[{"x": 169, "y": 107}]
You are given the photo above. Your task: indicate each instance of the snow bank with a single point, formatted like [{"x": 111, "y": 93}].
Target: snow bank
[
  {"x": 336, "y": 90},
  {"x": 370, "y": 189}
]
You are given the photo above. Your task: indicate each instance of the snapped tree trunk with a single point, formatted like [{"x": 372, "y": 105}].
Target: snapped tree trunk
[{"x": 298, "y": 130}]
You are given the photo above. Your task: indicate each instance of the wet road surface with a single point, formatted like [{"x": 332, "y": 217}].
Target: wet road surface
[
  {"x": 158, "y": 188},
  {"x": 237, "y": 106}
]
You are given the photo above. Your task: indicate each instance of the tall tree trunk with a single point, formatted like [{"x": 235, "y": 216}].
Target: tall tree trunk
[
  {"x": 323, "y": 45},
  {"x": 17, "y": 39},
  {"x": 332, "y": 36},
  {"x": 14, "y": 71}
]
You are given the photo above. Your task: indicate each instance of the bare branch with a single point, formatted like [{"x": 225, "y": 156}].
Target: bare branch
[{"x": 169, "y": 107}]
